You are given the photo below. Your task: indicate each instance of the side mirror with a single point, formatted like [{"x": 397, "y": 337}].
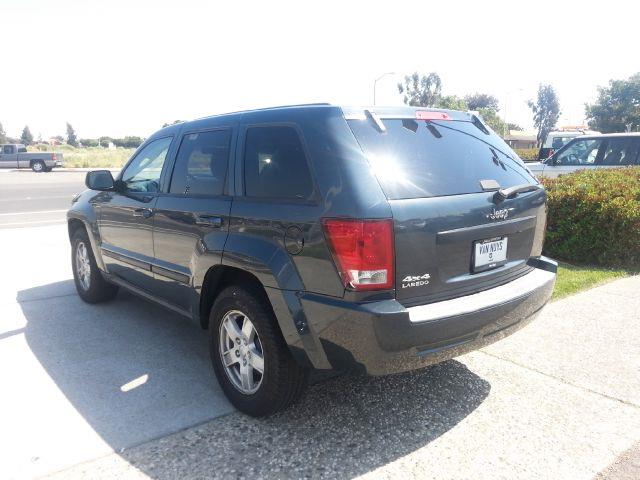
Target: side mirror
[{"x": 99, "y": 180}]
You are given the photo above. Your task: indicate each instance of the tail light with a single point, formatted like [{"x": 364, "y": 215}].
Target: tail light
[
  {"x": 363, "y": 252},
  {"x": 53, "y": 157}
]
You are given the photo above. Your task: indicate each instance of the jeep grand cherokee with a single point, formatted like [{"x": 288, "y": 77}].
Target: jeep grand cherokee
[{"x": 319, "y": 237}]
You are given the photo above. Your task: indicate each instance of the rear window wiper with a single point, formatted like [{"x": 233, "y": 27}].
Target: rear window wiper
[{"x": 505, "y": 193}]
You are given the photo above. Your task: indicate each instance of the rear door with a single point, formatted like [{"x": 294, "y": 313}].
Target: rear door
[
  {"x": 8, "y": 157},
  {"x": 192, "y": 217},
  {"x": 452, "y": 237},
  {"x": 619, "y": 152}
]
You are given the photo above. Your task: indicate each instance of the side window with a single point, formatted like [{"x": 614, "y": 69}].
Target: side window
[
  {"x": 201, "y": 164},
  {"x": 559, "y": 142},
  {"x": 22, "y": 150},
  {"x": 620, "y": 151},
  {"x": 275, "y": 165},
  {"x": 8, "y": 149},
  {"x": 143, "y": 173},
  {"x": 580, "y": 152}
]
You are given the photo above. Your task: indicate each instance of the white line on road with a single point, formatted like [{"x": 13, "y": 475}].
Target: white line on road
[
  {"x": 35, "y": 198},
  {"x": 15, "y": 224},
  {"x": 32, "y": 213}
]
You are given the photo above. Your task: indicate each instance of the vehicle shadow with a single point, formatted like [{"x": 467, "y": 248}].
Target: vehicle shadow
[{"x": 136, "y": 372}]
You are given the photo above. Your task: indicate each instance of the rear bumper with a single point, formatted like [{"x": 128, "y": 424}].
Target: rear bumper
[{"x": 384, "y": 337}]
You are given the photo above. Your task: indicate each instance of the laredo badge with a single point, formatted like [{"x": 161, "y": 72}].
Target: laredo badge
[{"x": 415, "y": 281}]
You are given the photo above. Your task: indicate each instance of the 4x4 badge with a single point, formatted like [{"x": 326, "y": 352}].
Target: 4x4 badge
[{"x": 415, "y": 280}]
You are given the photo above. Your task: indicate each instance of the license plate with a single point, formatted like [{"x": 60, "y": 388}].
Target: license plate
[{"x": 490, "y": 253}]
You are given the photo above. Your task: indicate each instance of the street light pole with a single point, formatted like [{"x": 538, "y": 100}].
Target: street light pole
[{"x": 376, "y": 81}]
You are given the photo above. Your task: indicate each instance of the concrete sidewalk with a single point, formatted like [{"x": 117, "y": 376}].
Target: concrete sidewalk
[{"x": 560, "y": 399}]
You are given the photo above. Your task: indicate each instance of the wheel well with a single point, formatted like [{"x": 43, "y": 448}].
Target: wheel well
[
  {"x": 36, "y": 160},
  {"x": 220, "y": 277},
  {"x": 73, "y": 225}
]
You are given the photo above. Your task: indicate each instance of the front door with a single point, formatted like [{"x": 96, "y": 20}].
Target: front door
[
  {"x": 578, "y": 155},
  {"x": 8, "y": 157},
  {"x": 126, "y": 216},
  {"x": 192, "y": 218}
]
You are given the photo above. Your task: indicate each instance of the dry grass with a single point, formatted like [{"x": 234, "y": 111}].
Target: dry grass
[{"x": 92, "y": 157}]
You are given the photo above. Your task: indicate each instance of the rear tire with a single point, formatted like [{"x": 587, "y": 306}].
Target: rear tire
[
  {"x": 90, "y": 284},
  {"x": 38, "y": 166},
  {"x": 259, "y": 343}
]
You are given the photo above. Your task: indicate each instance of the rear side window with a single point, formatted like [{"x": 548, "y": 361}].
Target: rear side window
[
  {"x": 418, "y": 158},
  {"x": 201, "y": 163},
  {"x": 620, "y": 151},
  {"x": 275, "y": 165}
]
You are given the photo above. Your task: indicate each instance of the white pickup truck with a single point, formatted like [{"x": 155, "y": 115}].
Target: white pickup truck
[{"x": 15, "y": 155}]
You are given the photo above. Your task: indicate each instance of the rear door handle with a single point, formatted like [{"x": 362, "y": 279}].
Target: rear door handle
[
  {"x": 209, "y": 221},
  {"x": 143, "y": 212}
]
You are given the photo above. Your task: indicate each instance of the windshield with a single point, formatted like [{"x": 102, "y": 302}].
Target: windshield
[{"x": 418, "y": 158}]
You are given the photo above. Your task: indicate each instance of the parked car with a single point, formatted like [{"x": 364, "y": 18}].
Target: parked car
[
  {"x": 557, "y": 139},
  {"x": 591, "y": 151},
  {"x": 317, "y": 237},
  {"x": 15, "y": 155}
]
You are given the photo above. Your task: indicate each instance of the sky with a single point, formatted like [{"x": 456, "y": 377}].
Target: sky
[{"x": 126, "y": 67}]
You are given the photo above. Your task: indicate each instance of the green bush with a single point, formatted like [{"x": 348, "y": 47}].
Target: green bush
[
  {"x": 594, "y": 217},
  {"x": 528, "y": 154}
]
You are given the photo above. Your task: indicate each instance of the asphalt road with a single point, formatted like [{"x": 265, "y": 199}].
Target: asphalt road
[
  {"x": 30, "y": 199},
  {"x": 125, "y": 389}
]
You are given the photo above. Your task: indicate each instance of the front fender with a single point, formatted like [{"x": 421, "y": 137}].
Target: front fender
[{"x": 82, "y": 210}]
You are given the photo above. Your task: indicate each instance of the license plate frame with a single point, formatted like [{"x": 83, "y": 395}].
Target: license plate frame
[{"x": 482, "y": 261}]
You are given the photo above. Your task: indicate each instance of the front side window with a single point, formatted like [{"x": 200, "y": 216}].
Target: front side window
[
  {"x": 275, "y": 165},
  {"x": 201, "y": 164},
  {"x": 143, "y": 173},
  {"x": 8, "y": 149},
  {"x": 620, "y": 151},
  {"x": 580, "y": 152}
]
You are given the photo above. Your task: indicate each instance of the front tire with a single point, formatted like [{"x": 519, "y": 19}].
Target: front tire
[
  {"x": 38, "y": 166},
  {"x": 90, "y": 284},
  {"x": 250, "y": 357}
]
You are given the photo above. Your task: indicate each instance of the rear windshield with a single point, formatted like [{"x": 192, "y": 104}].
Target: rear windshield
[{"x": 422, "y": 158}]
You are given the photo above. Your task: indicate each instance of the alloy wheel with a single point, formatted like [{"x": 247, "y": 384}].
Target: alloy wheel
[
  {"x": 83, "y": 266},
  {"x": 241, "y": 352}
]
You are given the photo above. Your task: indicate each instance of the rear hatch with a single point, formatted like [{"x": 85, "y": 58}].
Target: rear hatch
[{"x": 454, "y": 235}]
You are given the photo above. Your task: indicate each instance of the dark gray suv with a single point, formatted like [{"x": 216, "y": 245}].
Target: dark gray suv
[{"x": 320, "y": 238}]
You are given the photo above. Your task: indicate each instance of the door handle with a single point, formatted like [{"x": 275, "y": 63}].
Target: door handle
[
  {"x": 209, "y": 220},
  {"x": 143, "y": 212}
]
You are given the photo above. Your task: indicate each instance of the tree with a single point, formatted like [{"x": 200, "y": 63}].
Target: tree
[
  {"x": 452, "y": 102},
  {"x": 478, "y": 101},
  {"x": 421, "y": 90},
  {"x": 88, "y": 142},
  {"x": 491, "y": 118},
  {"x": 3, "y": 134},
  {"x": 128, "y": 142},
  {"x": 514, "y": 126},
  {"x": 546, "y": 111},
  {"x": 72, "y": 139},
  {"x": 27, "y": 137},
  {"x": 617, "y": 108},
  {"x": 175, "y": 122}
]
